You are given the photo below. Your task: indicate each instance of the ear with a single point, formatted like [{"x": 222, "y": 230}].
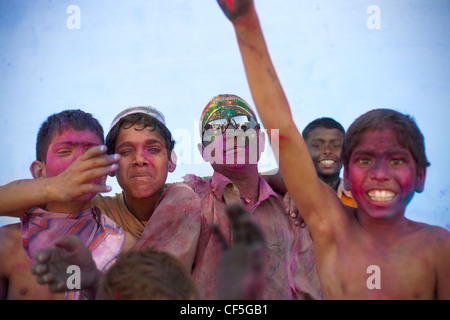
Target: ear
[
  {"x": 172, "y": 161},
  {"x": 37, "y": 169},
  {"x": 420, "y": 180}
]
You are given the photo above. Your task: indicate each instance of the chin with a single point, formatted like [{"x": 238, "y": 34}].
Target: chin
[{"x": 145, "y": 193}]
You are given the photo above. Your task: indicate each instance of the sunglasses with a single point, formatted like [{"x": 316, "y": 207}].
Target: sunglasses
[
  {"x": 242, "y": 122},
  {"x": 217, "y": 127}
]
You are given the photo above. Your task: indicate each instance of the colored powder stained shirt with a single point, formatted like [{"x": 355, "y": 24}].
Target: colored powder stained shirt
[
  {"x": 174, "y": 226},
  {"x": 345, "y": 195},
  {"x": 303, "y": 267},
  {"x": 103, "y": 237},
  {"x": 116, "y": 209},
  {"x": 280, "y": 237}
]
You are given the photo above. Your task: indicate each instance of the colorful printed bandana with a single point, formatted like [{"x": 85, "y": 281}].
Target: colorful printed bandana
[
  {"x": 224, "y": 106},
  {"x": 103, "y": 236}
]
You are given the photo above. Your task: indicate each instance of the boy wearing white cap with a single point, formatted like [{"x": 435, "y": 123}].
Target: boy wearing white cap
[
  {"x": 143, "y": 146},
  {"x": 146, "y": 208}
]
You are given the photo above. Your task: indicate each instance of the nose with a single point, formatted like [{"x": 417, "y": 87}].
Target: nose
[
  {"x": 327, "y": 148},
  {"x": 140, "y": 158},
  {"x": 379, "y": 171}
]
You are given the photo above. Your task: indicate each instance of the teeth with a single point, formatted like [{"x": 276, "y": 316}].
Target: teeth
[
  {"x": 328, "y": 162},
  {"x": 381, "y": 195}
]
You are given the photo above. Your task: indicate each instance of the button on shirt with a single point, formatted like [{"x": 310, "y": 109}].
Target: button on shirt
[{"x": 267, "y": 213}]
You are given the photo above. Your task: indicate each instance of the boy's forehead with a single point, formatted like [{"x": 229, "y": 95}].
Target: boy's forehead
[
  {"x": 379, "y": 140},
  {"x": 138, "y": 133},
  {"x": 322, "y": 132},
  {"x": 70, "y": 134}
]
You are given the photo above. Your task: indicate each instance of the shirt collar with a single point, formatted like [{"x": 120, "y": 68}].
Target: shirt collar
[
  {"x": 341, "y": 190},
  {"x": 219, "y": 182}
]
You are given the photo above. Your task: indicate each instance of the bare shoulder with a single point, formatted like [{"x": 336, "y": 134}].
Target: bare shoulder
[
  {"x": 9, "y": 234},
  {"x": 432, "y": 232},
  {"x": 433, "y": 237}
]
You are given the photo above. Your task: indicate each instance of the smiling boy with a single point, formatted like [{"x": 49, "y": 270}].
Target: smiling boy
[
  {"x": 324, "y": 138},
  {"x": 384, "y": 165}
]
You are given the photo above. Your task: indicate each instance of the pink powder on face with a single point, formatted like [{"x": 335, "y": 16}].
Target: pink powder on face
[
  {"x": 66, "y": 147},
  {"x": 379, "y": 163}
]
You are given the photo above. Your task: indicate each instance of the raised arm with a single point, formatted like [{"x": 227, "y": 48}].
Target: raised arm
[
  {"x": 52, "y": 265},
  {"x": 299, "y": 174},
  {"x": 20, "y": 196}
]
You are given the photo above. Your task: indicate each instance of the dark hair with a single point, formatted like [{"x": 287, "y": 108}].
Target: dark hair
[
  {"x": 147, "y": 274},
  {"x": 58, "y": 122},
  {"x": 408, "y": 133},
  {"x": 144, "y": 120},
  {"x": 324, "y": 122}
]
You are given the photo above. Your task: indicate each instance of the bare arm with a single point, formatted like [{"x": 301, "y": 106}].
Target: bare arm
[
  {"x": 20, "y": 196},
  {"x": 311, "y": 195}
]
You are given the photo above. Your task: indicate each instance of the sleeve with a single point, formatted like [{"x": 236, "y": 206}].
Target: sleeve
[{"x": 175, "y": 224}]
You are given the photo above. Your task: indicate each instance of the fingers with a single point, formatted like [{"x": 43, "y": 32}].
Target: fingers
[
  {"x": 39, "y": 269},
  {"x": 291, "y": 210},
  {"x": 96, "y": 157},
  {"x": 87, "y": 174},
  {"x": 94, "y": 152},
  {"x": 44, "y": 276},
  {"x": 54, "y": 285},
  {"x": 42, "y": 255},
  {"x": 71, "y": 243}
]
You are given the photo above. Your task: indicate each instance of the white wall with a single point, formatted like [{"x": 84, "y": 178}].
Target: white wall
[{"x": 334, "y": 58}]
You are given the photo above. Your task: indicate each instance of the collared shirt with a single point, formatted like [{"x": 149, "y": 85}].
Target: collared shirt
[
  {"x": 280, "y": 237},
  {"x": 345, "y": 195}
]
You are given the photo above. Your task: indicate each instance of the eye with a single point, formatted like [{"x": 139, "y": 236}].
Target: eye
[
  {"x": 364, "y": 161},
  {"x": 62, "y": 152},
  {"x": 317, "y": 145},
  {"x": 153, "y": 150},
  {"x": 125, "y": 152},
  {"x": 396, "y": 161}
]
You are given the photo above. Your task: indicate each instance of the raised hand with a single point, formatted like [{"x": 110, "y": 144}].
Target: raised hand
[
  {"x": 235, "y": 8},
  {"x": 242, "y": 267},
  {"x": 52, "y": 264},
  {"x": 80, "y": 177}
]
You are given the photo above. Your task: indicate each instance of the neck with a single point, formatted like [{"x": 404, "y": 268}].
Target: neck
[
  {"x": 68, "y": 207},
  {"x": 246, "y": 179},
  {"x": 332, "y": 181},
  {"x": 386, "y": 230},
  {"x": 142, "y": 208}
]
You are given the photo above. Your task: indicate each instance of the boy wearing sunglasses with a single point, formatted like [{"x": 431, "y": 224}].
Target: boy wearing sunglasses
[{"x": 232, "y": 143}]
